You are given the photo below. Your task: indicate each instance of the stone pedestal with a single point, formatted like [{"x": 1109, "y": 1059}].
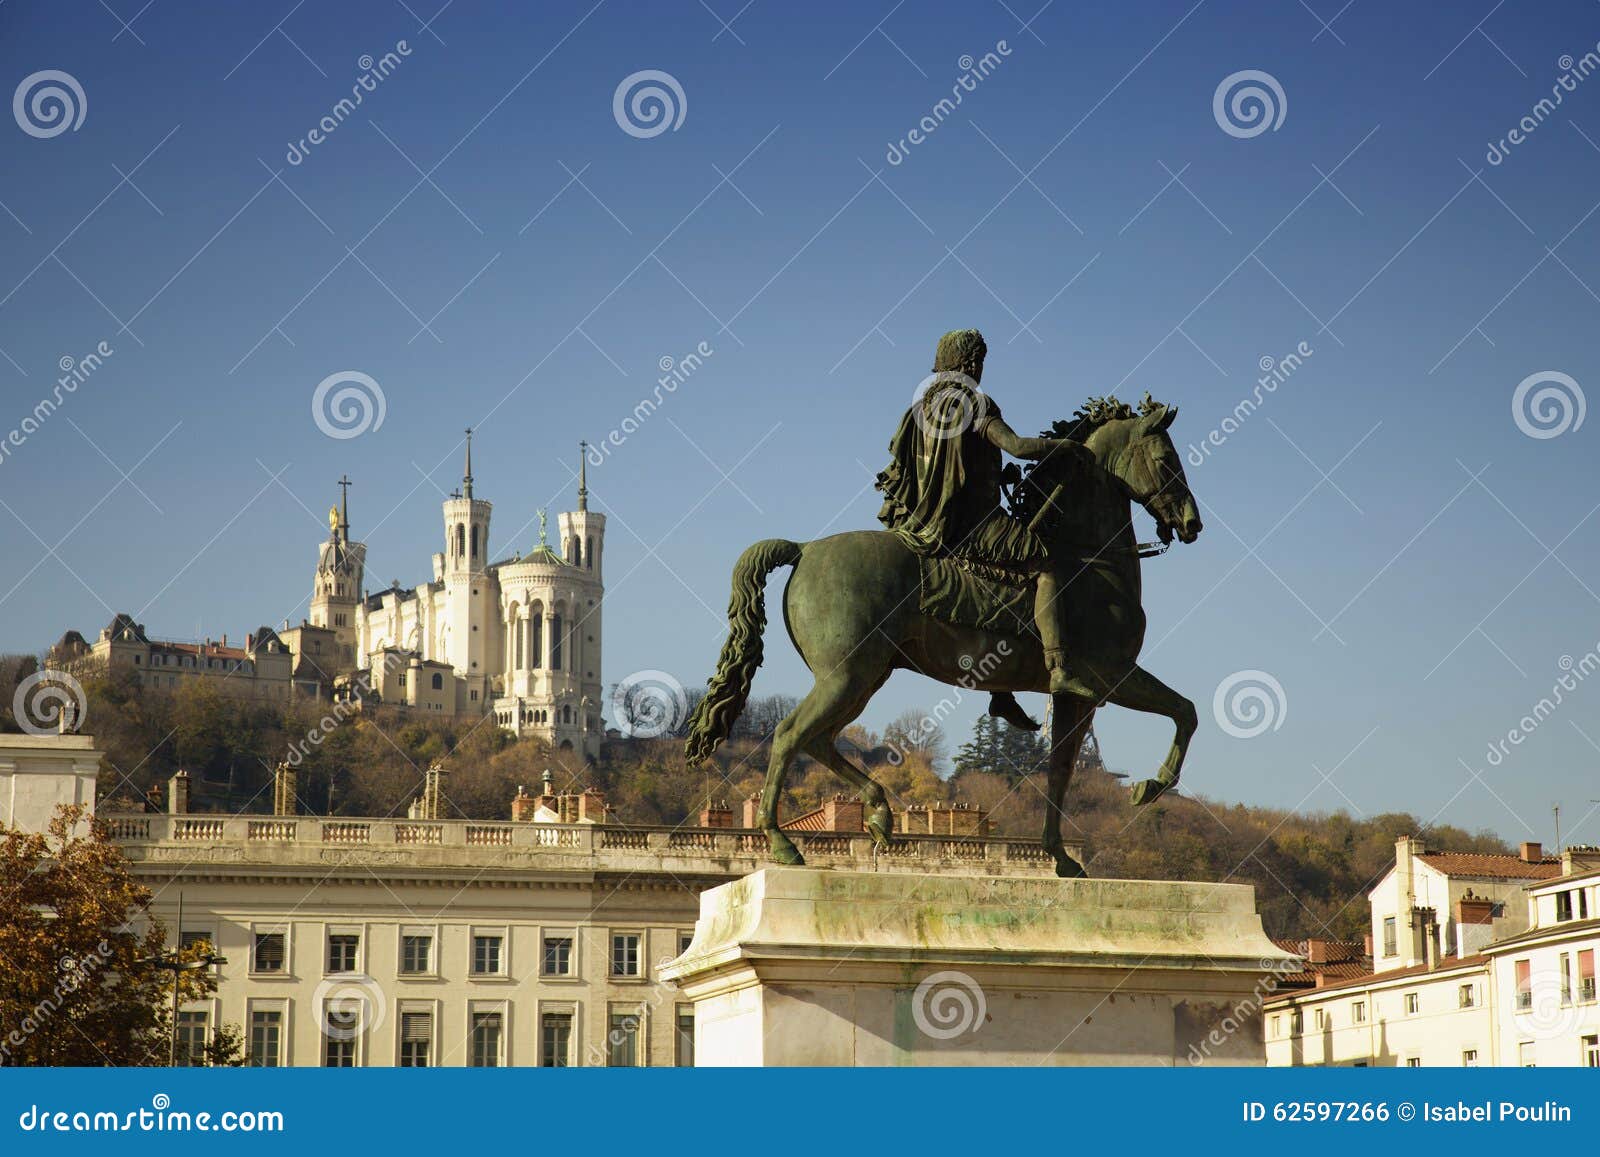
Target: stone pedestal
[
  {"x": 39, "y": 773},
  {"x": 795, "y": 966}
]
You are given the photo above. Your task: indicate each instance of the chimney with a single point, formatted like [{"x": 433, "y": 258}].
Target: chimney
[
  {"x": 843, "y": 814},
  {"x": 1317, "y": 950},
  {"x": 431, "y": 792},
  {"x": 224, "y": 640},
  {"x": 284, "y": 778},
  {"x": 523, "y": 806},
  {"x": 152, "y": 799},
  {"x": 1430, "y": 938},
  {"x": 178, "y": 794},
  {"x": 1531, "y": 852},
  {"x": 1366, "y": 946},
  {"x": 752, "y": 806},
  {"x": 1474, "y": 923},
  {"x": 716, "y": 815}
]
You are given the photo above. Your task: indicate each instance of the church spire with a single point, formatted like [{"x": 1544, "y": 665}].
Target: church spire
[
  {"x": 583, "y": 476},
  {"x": 344, "y": 508},
  {"x": 466, "y": 479}
]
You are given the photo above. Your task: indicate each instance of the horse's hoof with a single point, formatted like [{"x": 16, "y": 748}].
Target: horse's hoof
[
  {"x": 880, "y": 826},
  {"x": 783, "y": 851},
  {"x": 1148, "y": 791},
  {"x": 1068, "y": 868}
]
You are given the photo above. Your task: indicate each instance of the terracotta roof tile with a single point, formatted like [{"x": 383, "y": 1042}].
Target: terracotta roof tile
[{"x": 1500, "y": 867}]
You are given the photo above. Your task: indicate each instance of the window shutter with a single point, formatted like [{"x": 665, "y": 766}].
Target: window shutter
[{"x": 416, "y": 1027}]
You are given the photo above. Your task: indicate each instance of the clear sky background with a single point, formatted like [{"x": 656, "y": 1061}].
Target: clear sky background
[{"x": 485, "y": 241}]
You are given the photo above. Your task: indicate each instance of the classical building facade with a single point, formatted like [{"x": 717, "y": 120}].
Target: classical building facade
[{"x": 261, "y": 669}]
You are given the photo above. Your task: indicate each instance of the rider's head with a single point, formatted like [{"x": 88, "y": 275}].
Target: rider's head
[{"x": 961, "y": 351}]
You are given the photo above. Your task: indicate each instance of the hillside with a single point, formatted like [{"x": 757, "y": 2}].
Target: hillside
[{"x": 1310, "y": 871}]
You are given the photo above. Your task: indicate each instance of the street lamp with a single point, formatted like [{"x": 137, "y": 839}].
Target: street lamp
[{"x": 174, "y": 963}]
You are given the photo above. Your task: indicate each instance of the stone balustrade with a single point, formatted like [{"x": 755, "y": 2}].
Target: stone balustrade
[{"x": 288, "y": 840}]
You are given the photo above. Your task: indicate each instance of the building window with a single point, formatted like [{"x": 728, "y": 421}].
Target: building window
[
  {"x": 1524, "y": 975},
  {"x": 416, "y": 955},
  {"x": 487, "y": 1034},
  {"x": 1525, "y": 1055},
  {"x": 1321, "y": 1019},
  {"x": 341, "y": 1026},
  {"x": 1277, "y": 1027},
  {"x": 1586, "y": 974},
  {"x": 192, "y": 1037},
  {"x": 1413, "y": 1062},
  {"x": 555, "y": 642},
  {"x": 1565, "y": 965},
  {"x": 622, "y": 1042},
  {"x": 684, "y": 1054},
  {"x": 1413, "y": 1004},
  {"x": 685, "y": 938},
  {"x": 555, "y": 1040},
  {"x": 1391, "y": 941},
  {"x": 1358, "y": 1012},
  {"x": 1468, "y": 996},
  {"x": 342, "y": 951},
  {"x": 1297, "y": 1022},
  {"x": 438, "y": 682},
  {"x": 1469, "y": 1058},
  {"x": 486, "y": 956},
  {"x": 266, "y": 1039},
  {"x": 268, "y": 953},
  {"x": 416, "y": 1039},
  {"x": 624, "y": 954},
  {"x": 1591, "y": 1052},
  {"x": 1563, "y": 906},
  {"x": 557, "y": 956}
]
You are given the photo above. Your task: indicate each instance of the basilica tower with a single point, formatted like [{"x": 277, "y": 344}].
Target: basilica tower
[
  {"x": 470, "y": 603},
  {"x": 336, "y": 590}
]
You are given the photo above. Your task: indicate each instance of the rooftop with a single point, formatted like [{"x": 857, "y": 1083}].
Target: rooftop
[{"x": 1488, "y": 866}]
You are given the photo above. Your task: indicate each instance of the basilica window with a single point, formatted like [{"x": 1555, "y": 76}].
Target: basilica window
[{"x": 555, "y": 642}]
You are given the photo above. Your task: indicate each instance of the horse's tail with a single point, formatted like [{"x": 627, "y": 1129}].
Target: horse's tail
[{"x": 728, "y": 689}]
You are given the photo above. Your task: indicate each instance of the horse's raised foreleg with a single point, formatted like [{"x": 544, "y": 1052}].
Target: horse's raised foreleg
[
  {"x": 1070, "y": 716},
  {"x": 1142, "y": 691}
]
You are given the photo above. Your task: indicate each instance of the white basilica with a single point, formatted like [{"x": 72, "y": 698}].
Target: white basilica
[{"x": 519, "y": 637}]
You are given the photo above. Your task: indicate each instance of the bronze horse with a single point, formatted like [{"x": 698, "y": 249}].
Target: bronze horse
[{"x": 852, "y": 611}]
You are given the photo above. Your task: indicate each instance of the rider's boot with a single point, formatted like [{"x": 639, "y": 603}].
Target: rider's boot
[
  {"x": 1048, "y": 611},
  {"x": 1004, "y": 705}
]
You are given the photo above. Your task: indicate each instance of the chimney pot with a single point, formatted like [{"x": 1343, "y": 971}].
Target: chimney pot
[{"x": 1531, "y": 852}]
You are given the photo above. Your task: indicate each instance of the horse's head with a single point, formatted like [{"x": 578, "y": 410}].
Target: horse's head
[{"x": 1139, "y": 453}]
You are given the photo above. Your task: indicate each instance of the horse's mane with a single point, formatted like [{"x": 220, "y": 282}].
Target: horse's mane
[
  {"x": 1031, "y": 487},
  {"x": 1096, "y": 412}
]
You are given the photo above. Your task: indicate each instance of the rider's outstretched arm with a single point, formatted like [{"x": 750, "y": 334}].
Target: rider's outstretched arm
[{"x": 1003, "y": 436}]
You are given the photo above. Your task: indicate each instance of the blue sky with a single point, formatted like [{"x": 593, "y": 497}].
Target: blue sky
[{"x": 483, "y": 238}]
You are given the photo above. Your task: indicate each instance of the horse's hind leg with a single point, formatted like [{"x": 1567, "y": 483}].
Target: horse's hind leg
[
  {"x": 1070, "y": 717},
  {"x": 1142, "y": 691},
  {"x": 880, "y": 819},
  {"x": 836, "y": 699}
]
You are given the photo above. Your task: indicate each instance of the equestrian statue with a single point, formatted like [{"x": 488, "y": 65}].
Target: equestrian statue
[{"x": 988, "y": 577}]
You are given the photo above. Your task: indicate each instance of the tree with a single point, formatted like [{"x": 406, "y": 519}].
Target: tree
[
  {"x": 916, "y": 731},
  {"x": 77, "y": 949},
  {"x": 1002, "y": 750}
]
